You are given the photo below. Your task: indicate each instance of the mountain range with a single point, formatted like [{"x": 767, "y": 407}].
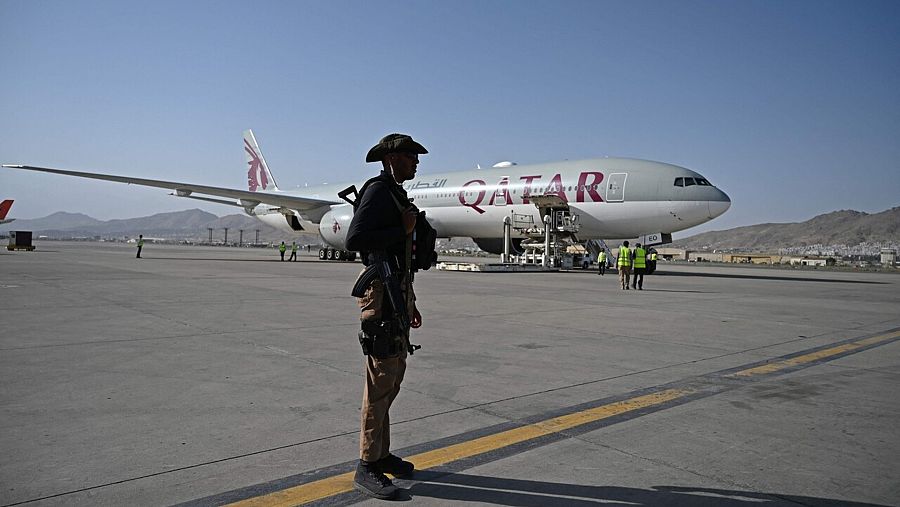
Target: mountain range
[
  {"x": 845, "y": 227},
  {"x": 189, "y": 225}
]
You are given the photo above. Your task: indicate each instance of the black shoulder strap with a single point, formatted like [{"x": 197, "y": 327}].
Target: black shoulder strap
[{"x": 363, "y": 191}]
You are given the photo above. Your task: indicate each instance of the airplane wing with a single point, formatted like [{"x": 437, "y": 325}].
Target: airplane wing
[{"x": 244, "y": 198}]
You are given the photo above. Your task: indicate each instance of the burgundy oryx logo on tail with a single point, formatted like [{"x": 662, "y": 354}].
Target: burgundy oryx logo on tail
[{"x": 256, "y": 176}]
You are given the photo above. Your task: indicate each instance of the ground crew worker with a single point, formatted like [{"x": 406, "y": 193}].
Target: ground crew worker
[
  {"x": 293, "y": 251},
  {"x": 383, "y": 222},
  {"x": 281, "y": 249},
  {"x": 623, "y": 264},
  {"x": 601, "y": 263},
  {"x": 639, "y": 258},
  {"x": 651, "y": 264},
  {"x": 140, "y": 245}
]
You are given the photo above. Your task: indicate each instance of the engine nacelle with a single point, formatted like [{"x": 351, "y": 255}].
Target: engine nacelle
[
  {"x": 334, "y": 225},
  {"x": 495, "y": 245}
]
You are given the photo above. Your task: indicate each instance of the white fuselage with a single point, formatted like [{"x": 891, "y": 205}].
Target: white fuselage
[{"x": 613, "y": 198}]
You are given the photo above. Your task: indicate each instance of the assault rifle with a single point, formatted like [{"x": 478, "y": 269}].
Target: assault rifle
[{"x": 382, "y": 268}]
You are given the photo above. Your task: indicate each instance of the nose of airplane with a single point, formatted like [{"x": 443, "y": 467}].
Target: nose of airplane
[{"x": 719, "y": 205}]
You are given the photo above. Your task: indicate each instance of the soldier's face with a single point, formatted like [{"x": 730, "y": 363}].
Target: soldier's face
[{"x": 403, "y": 165}]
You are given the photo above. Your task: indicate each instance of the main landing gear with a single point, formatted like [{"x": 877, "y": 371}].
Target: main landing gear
[{"x": 331, "y": 254}]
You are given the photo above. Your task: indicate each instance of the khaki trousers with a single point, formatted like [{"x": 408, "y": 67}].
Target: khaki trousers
[
  {"x": 383, "y": 379},
  {"x": 624, "y": 272}
]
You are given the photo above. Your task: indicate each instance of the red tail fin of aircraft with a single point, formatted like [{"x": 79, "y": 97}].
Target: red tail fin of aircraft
[{"x": 4, "y": 208}]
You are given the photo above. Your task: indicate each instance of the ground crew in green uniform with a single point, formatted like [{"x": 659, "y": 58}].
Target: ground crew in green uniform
[
  {"x": 639, "y": 262},
  {"x": 281, "y": 249},
  {"x": 601, "y": 263},
  {"x": 293, "y": 251},
  {"x": 623, "y": 264},
  {"x": 382, "y": 226},
  {"x": 140, "y": 245}
]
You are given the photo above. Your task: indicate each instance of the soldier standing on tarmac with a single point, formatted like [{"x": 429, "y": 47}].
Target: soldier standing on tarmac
[
  {"x": 383, "y": 222},
  {"x": 623, "y": 264}
]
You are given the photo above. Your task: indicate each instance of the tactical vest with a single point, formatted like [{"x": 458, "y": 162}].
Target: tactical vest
[{"x": 421, "y": 252}]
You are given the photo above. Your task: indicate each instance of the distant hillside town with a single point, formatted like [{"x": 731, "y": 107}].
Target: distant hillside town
[
  {"x": 840, "y": 233},
  {"x": 844, "y": 237}
]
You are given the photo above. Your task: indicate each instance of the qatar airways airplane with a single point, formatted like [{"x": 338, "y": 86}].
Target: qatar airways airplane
[{"x": 612, "y": 198}]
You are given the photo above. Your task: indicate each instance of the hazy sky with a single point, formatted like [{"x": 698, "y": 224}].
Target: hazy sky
[{"x": 791, "y": 107}]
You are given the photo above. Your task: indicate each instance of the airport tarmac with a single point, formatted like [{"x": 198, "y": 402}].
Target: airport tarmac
[{"x": 209, "y": 376}]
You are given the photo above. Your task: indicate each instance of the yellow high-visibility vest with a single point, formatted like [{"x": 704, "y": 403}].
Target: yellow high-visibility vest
[
  {"x": 624, "y": 259},
  {"x": 640, "y": 258},
  {"x": 282, "y": 248},
  {"x": 653, "y": 257},
  {"x": 602, "y": 256}
]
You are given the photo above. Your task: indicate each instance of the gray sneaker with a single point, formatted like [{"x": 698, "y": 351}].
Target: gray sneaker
[{"x": 370, "y": 481}]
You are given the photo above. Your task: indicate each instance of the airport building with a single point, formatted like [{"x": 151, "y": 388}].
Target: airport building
[{"x": 678, "y": 254}]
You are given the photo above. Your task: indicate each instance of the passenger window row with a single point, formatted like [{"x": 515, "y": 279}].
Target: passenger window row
[{"x": 686, "y": 182}]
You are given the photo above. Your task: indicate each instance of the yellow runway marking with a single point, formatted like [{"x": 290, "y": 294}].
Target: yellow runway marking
[
  {"x": 813, "y": 356},
  {"x": 335, "y": 485},
  {"x": 343, "y": 483}
]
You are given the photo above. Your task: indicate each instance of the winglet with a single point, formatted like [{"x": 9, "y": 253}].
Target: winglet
[{"x": 258, "y": 175}]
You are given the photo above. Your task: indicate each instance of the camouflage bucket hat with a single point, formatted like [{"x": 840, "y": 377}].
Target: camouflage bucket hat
[{"x": 392, "y": 143}]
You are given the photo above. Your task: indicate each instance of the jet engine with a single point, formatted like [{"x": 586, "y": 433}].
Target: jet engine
[{"x": 334, "y": 224}]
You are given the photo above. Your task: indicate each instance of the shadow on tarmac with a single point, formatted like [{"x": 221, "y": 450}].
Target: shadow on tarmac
[
  {"x": 522, "y": 493},
  {"x": 765, "y": 277}
]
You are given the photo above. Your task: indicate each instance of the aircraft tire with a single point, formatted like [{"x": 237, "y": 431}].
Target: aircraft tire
[
  {"x": 341, "y": 255},
  {"x": 351, "y": 256},
  {"x": 323, "y": 254}
]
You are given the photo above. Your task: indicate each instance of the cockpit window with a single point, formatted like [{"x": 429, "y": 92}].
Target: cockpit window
[
  {"x": 679, "y": 182},
  {"x": 703, "y": 182},
  {"x": 688, "y": 182}
]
